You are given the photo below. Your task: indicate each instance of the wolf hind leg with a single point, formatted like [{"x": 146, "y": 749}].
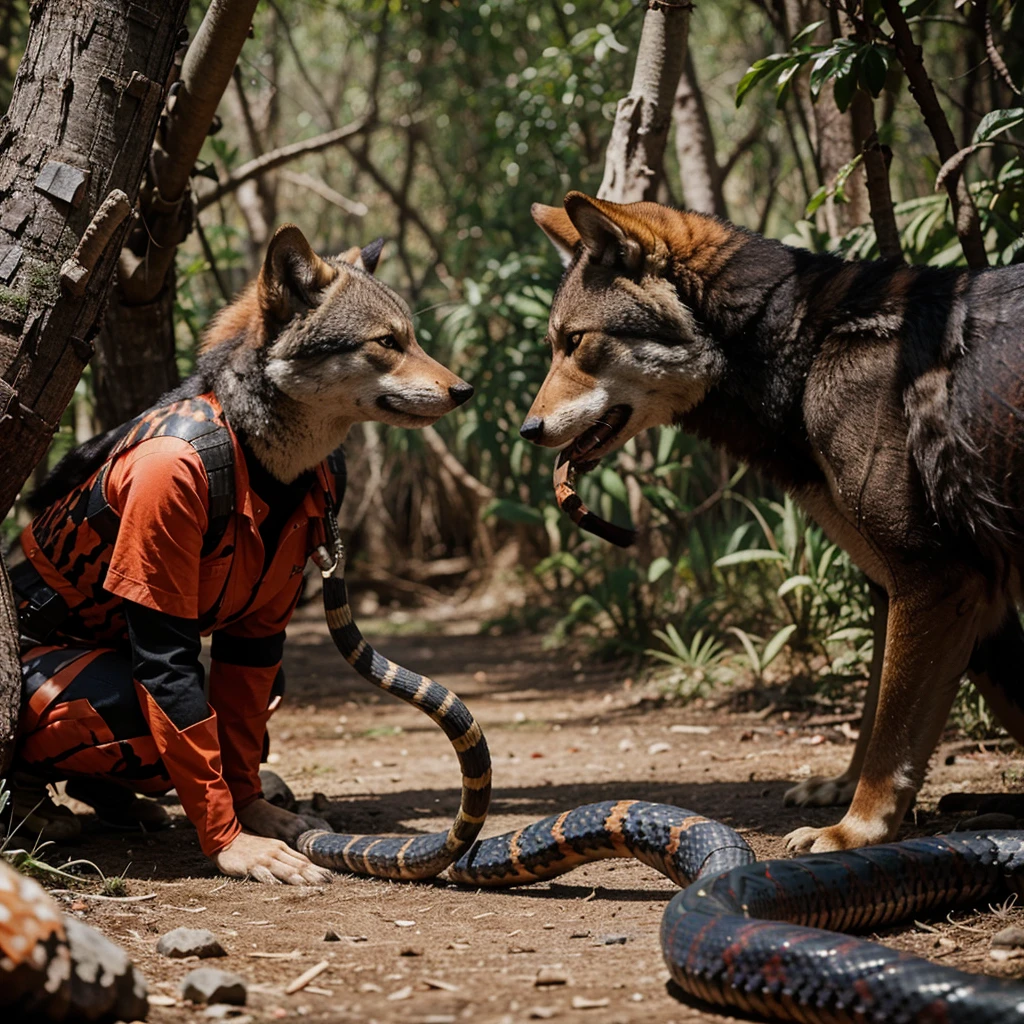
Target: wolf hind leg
[{"x": 821, "y": 791}]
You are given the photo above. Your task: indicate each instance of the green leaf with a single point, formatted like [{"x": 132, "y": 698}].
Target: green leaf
[
  {"x": 845, "y": 86},
  {"x": 750, "y": 555},
  {"x": 657, "y": 569},
  {"x": 514, "y": 512},
  {"x": 748, "y": 646},
  {"x": 805, "y": 33},
  {"x": 759, "y": 69},
  {"x": 792, "y": 583},
  {"x": 873, "y": 69},
  {"x": 775, "y": 645},
  {"x": 995, "y": 122},
  {"x": 816, "y": 201},
  {"x": 614, "y": 485}
]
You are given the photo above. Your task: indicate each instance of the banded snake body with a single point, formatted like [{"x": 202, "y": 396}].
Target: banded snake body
[{"x": 743, "y": 933}]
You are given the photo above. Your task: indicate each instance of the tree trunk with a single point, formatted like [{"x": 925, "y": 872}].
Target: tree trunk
[
  {"x": 965, "y": 214},
  {"x": 72, "y": 149},
  {"x": 635, "y": 158},
  {"x": 135, "y": 361},
  {"x": 832, "y": 133},
  {"x": 699, "y": 173}
]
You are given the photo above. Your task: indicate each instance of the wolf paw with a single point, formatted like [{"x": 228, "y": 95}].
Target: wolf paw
[
  {"x": 848, "y": 834},
  {"x": 820, "y": 792}
]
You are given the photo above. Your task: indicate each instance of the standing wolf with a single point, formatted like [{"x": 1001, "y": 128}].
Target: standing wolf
[
  {"x": 197, "y": 518},
  {"x": 888, "y": 400}
]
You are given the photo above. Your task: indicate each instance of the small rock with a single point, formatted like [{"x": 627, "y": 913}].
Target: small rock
[
  {"x": 542, "y": 1012},
  {"x": 580, "y": 935},
  {"x": 184, "y": 942},
  {"x": 399, "y": 994},
  {"x": 276, "y": 791},
  {"x": 551, "y": 975},
  {"x": 659, "y": 748},
  {"x": 984, "y": 822},
  {"x": 404, "y": 924},
  {"x": 225, "y": 1011},
  {"x": 331, "y": 936},
  {"x": 209, "y": 985},
  {"x": 1009, "y": 938},
  {"x": 580, "y": 1003},
  {"x": 411, "y": 951},
  {"x": 612, "y": 940}
]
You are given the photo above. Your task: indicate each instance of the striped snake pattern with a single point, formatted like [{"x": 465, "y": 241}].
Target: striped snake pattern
[
  {"x": 417, "y": 856},
  {"x": 762, "y": 937}
]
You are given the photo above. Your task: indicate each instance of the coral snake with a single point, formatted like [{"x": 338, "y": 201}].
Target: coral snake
[{"x": 760, "y": 936}]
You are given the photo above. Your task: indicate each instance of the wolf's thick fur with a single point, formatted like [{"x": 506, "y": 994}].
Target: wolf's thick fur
[
  {"x": 889, "y": 400},
  {"x": 307, "y": 349}
]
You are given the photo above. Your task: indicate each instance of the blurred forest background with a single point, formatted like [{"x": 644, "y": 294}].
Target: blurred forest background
[{"x": 435, "y": 124}]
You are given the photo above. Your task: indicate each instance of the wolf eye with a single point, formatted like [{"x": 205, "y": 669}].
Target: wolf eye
[
  {"x": 572, "y": 341},
  {"x": 389, "y": 341}
]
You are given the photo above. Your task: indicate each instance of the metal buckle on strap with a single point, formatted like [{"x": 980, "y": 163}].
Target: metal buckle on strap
[{"x": 330, "y": 557}]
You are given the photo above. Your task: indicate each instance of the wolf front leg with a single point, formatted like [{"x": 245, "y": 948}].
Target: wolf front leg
[
  {"x": 822, "y": 791},
  {"x": 930, "y": 636}
]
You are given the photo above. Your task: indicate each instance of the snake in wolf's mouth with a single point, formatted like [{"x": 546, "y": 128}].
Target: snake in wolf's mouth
[{"x": 754, "y": 935}]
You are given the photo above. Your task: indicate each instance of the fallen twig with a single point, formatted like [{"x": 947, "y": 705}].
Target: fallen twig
[{"x": 306, "y": 977}]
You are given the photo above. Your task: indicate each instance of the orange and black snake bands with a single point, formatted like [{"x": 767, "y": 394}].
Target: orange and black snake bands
[
  {"x": 416, "y": 856},
  {"x": 572, "y": 505}
]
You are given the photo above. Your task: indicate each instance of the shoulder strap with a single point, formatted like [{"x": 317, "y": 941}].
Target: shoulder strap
[{"x": 194, "y": 421}]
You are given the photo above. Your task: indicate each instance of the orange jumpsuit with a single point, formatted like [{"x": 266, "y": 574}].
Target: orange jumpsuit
[{"x": 95, "y": 704}]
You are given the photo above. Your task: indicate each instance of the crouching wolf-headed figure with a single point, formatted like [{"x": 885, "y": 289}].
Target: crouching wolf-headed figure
[
  {"x": 888, "y": 400},
  {"x": 197, "y": 518}
]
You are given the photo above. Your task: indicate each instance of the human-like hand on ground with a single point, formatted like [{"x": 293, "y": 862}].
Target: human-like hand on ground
[
  {"x": 265, "y": 819},
  {"x": 268, "y": 860}
]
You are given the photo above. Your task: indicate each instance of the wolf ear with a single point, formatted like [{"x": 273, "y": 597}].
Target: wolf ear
[
  {"x": 291, "y": 275},
  {"x": 365, "y": 258},
  {"x": 555, "y": 223},
  {"x": 612, "y": 237}
]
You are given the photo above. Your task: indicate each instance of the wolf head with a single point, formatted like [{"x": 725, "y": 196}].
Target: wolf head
[
  {"x": 627, "y": 353},
  {"x": 314, "y": 345}
]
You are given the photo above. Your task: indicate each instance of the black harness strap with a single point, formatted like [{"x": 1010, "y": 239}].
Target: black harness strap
[{"x": 212, "y": 442}]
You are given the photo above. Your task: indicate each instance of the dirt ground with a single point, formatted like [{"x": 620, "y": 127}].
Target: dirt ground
[{"x": 433, "y": 953}]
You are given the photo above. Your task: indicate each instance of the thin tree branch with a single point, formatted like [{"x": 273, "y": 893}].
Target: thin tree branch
[
  {"x": 285, "y": 154},
  {"x": 324, "y": 191},
  {"x": 876, "y": 171},
  {"x": 965, "y": 214}
]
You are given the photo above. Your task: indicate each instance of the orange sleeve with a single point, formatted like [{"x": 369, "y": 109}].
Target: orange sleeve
[
  {"x": 192, "y": 759},
  {"x": 245, "y": 661},
  {"x": 160, "y": 492}
]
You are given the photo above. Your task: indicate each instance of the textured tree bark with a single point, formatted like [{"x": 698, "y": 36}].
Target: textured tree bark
[
  {"x": 135, "y": 357},
  {"x": 965, "y": 214},
  {"x": 635, "y": 158},
  {"x": 699, "y": 173},
  {"x": 72, "y": 149},
  {"x": 832, "y": 130}
]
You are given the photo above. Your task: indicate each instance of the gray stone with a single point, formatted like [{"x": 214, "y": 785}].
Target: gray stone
[
  {"x": 184, "y": 942},
  {"x": 210, "y": 985},
  {"x": 612, "y": 940}
]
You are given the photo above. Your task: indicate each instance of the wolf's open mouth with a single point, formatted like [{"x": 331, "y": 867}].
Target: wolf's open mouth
[{"x": 594, "y": 442}]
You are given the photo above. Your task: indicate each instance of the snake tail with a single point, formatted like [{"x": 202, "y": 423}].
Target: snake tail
[
  {"x": 408, "y": 857},
  {"x": 572, "y": 505}
]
